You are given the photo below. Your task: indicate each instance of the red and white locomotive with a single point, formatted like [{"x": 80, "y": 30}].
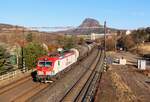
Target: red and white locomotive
[{"x": 49, "y": 66}]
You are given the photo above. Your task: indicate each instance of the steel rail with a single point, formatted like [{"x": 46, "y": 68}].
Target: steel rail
[{"x": 75, "y": 90}]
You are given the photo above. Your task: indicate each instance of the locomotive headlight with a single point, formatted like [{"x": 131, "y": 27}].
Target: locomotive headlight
[
  {"x": 46, "y": 59},
  {"x": 40, "y": 73},
  {"x": 48, "y": 73}
]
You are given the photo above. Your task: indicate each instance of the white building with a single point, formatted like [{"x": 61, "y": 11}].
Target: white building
[
  {"x": 128, "y": 32},
  {"x": 96, "y": 36}
]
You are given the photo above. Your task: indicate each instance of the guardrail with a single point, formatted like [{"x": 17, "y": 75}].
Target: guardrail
[{"x": 11, "y": 74}]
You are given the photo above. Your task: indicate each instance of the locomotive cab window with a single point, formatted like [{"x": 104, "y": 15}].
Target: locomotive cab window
[
  {"x": 41, "y": 63},
  {"x": 44, "y": 64},
  {"x": 48, "y": 64}
]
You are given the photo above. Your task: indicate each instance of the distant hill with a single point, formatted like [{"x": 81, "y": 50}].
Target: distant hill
[
  {"x": 89, "y": 22},
  {"x": 7, "y": 28},
  {"x": 5, "y": 25},
  {"x": 88, "y": 26},
  {"x": 12, "y": 34}
]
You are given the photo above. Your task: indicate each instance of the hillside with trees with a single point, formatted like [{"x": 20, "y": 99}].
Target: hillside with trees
[{"x": 133, "y": 42}]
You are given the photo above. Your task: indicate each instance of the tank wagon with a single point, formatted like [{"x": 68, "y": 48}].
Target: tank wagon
[{"x": 53, "y": 64}]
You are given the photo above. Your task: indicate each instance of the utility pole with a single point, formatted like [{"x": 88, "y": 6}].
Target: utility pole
[
  {"x": 22, "y": 53},
  {"x": 115, "y": 38},
  {"x": 105, "y": 63},
  {"x": 105, "y": 31}
]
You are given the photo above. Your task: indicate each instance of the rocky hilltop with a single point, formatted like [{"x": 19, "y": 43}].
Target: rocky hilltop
[
  {"x": 88, "y": 26},
  {"x": 89, "y": 22}
]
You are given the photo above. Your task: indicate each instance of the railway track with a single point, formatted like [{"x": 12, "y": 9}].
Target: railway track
[
  {"x": 29, "y": 93},
  {"x": 87, "y": 94},
  {"x": 56, "y": 90},
  {"x": 23, "y": 89},
  {"x": 84, "y": 89},
  {"x": 14, "y": 84},
  {"x": 40, "y": 86}
]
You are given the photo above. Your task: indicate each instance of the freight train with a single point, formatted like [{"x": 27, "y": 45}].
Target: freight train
[{"x": 53, "y": 64}]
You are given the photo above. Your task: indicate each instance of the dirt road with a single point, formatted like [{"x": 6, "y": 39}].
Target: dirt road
[{"x": 123, "y": 83}]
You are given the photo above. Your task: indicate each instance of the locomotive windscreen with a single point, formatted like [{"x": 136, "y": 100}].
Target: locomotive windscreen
[
  {"x": 44, "y": 63},
  {"x": 48, "y": 64}
]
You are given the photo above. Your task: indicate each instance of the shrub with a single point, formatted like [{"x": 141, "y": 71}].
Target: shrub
[{"x": 31, "y": 52}]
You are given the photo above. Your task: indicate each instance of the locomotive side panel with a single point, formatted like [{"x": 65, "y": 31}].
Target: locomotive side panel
[{"x": 63, "y": 63}]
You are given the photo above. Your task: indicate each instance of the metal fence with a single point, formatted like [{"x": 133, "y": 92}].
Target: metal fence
[{"x": 10, "y": 75}]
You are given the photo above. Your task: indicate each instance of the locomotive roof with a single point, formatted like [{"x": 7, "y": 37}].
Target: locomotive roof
[{"x": 54, "y": 56}]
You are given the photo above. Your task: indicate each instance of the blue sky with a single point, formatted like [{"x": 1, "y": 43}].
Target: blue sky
[{"x": 126, "y": 14}]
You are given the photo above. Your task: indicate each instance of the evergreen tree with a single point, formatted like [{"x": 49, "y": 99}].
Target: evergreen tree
[
  {"x": 5, "y": 64},
  {"x": 67, "y": 41},
  {"x": 2, "y": 56},
  {"x": 31, "y": 52}
]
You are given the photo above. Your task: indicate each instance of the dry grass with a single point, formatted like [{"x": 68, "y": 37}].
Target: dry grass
[
  {"x": 145, "y": 47},
  {"x": 124, "y": 93},
  {"x": 142, "y": 49}
]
